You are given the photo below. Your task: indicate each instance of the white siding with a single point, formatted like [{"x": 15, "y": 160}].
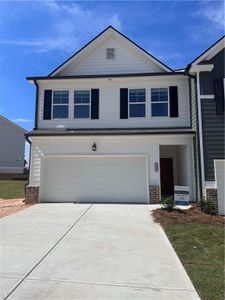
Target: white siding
[
  {"x": 110, "y": 145},
  {"x": 125, "y": 61},
  {"x": 109, "y": 102}
]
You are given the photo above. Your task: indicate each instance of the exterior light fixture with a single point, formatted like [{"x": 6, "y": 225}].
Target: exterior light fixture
[
  {"x": 156, "y": 166},
  {"x": 94, "y": 147}
]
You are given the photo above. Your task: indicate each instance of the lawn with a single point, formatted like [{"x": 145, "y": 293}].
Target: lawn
[
  {"x": 200, "y": 247},
  {"x": 198, "y": 239},
  {"x": 10, "y": 189}
]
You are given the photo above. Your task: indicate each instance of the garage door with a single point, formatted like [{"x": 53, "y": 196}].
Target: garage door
[
  {"x": 220, "y": 179},
  {"x": 94, "y": 179}
]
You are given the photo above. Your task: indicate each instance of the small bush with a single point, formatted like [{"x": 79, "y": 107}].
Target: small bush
[
  {"x": 207, "y": 206},
  {"x": 168, "y": 203}
]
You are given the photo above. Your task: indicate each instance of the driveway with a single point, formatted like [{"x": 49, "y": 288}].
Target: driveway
[{"x": 83, "y": 251}]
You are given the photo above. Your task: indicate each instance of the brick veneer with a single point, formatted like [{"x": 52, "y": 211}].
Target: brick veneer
[
  {"x": 211, "y": 195},
  {"x": 31, "y": 194},
  {"x": 154, "y": 194}
]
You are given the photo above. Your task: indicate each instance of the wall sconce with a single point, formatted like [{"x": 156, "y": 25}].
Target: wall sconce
[
  {"x": 94, "y": 147},
  {"x": 156, "y": 166}
]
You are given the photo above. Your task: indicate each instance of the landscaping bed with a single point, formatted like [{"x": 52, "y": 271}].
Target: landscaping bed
[
  {"x": 12, "y": 193},
  {"x": 198, "y": 239},
  {"x": 8, "y": 207}
]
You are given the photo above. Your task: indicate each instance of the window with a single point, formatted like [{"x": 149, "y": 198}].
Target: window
[
  {"x": 110, "y": 53},
  {"x": 136, "y": 103},
  {"x": 159, "y": 99},
  {"x": 60, "y": 104},
  {"x": 82, "y": 104}
]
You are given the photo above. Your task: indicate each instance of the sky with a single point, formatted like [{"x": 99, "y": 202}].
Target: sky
[{"x": 37, "y": 36}]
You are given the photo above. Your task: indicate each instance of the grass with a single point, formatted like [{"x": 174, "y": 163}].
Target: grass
[
  {"x": 10, "y": 189},
  {"x": 198, "y": 239},
  {"x": 200, "y": 247}
]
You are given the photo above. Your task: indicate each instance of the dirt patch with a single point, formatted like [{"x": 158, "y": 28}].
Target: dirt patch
[
  {"x": 8, "y": 207},
  {"x": 192, "y": 215}
]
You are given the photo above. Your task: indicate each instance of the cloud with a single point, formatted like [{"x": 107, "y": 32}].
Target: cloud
[
  {"x": 71, "y": 24},
  {"x": 214, "y": 13},
  {"x": 21, "y": 120}
]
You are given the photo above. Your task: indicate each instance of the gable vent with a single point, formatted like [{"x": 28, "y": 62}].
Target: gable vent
[{"x": 110, "y": 53}]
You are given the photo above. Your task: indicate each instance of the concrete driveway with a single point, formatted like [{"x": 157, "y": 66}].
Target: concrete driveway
[{"x": 83, "y": 251}]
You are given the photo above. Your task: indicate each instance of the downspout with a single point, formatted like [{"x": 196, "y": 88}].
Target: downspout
[
  {"x": 27, "y": 139},
  {"x": 200, "y": 135},
  {"x": 36, "y": 105}
]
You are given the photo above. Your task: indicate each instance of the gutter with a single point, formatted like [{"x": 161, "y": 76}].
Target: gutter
[
  {"x": 200, "y": 134},
  {"x": 36, "y": 105},
  {"x": 34, "y": 78}
]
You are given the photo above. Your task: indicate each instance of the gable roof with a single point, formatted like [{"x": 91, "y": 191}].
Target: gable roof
[
  {"x": 210, "y": 52},
  {"x": 111, "y": 29},
  {"x": 14, "y": 124}
]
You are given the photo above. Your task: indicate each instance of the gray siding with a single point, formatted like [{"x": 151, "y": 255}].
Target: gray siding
[
  {"x": 12, "y": 145},
  {"x": 206, "y": 78},
  {"x": 213, "y": 136}
]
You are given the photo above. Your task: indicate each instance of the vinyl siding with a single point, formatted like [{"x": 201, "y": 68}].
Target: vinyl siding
[
  {"x": 109, "y": 102},
  {"x": 213, "y": 136},
  {"x": 206, "y": 78},
  {"x": 12, "y": 145},
  {"x": 119, "y": 145},
  {"x": 127, "y": 60}
]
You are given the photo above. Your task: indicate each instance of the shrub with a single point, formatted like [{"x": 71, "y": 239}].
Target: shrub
[
  {"x": 168, "y": 203},
  {"x": 207, "y": 206}
]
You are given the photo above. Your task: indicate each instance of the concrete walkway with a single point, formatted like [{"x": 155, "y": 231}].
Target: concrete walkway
[{"x": 83, "y": 251}]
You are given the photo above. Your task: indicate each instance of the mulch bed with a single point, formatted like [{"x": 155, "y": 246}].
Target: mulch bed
[
  {"x": 8, "y": 207},
  {"x": 192, "y": 215}
]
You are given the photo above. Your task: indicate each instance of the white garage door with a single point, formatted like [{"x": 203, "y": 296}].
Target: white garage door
[
  {"x": 220, "y": 180},
  {"x": 94, "y": 179}
]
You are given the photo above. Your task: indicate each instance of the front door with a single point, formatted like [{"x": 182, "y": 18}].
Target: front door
[{"x": 166, "y": 174}]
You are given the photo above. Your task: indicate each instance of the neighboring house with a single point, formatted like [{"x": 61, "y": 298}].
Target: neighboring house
[
  {"x": 12, "y": 145},
  {"x": 113, "y": 124},
  {"x": 209, "y": 71}
]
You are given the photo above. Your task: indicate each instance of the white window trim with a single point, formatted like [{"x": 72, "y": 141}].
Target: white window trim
[
  {"x": 145, "y": 103},
  {"x": 207, "y": 96},
  {"x": 61, "y": 104},
  {"x": 83, "y": 104},
  {"x": 168, "y": 102}
]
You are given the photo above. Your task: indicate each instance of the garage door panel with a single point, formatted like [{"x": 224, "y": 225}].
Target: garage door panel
[{"x": 94, "y": 179}]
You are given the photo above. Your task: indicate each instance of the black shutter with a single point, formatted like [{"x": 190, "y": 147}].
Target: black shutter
[
  {"x": 123, "y": 103},
  {"x": 218, "y": 89},
  {"x": 173, "y": 101},
  {"x": 47, "y": 105},
  {"x": 94, "y": 103}
]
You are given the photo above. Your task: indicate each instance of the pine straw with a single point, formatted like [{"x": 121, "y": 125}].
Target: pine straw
[{"x": 192, "y": 215}]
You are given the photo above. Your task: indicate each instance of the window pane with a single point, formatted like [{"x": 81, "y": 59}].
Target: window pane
[
  {"x": 159, "y": 109},
  {"x": 61, "y": 97},
  {"x": 137, "y": 110},
  {"x": 81, "y": 111},
  {"x": 60, "y": 111},
  {"x": 160, "y": 94},
  {"x": 137, "y": 95},
  {"x": 82, "y": 96}
]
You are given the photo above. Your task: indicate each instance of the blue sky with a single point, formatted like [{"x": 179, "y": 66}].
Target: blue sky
[{"x": 37, "y": 36}]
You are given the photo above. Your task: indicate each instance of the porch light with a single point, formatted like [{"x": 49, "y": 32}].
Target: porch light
[
  {"x": 94, "y": 147},
  {"x": 156, "y": 165}
]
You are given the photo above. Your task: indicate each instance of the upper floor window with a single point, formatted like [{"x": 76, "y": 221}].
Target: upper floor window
[
  {"x": 82, "y": 104},
  {"x": 60, "y": 104},
  {"x": 159, "y": 102},
  {"x": 136, "y": 103}
]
